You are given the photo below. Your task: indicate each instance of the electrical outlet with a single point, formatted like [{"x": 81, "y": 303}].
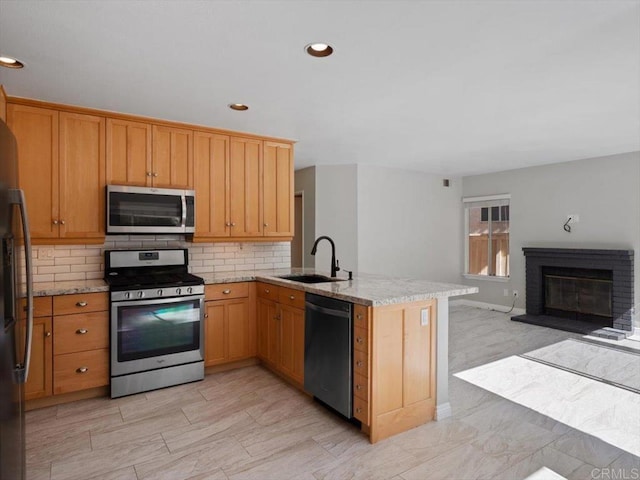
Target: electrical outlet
[
  {"x": 505, "y": 292},
  {"x": 45, "y": 253},
  {"x": 573, "y": 218},
  {"x": 424, "y": 317},
  {"x": 515, "y": 293}
]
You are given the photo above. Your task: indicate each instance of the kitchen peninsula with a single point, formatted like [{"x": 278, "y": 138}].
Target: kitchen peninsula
[{"x": 400, "y": 372}]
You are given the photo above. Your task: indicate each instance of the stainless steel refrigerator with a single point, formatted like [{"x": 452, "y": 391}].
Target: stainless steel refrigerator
[{"x": 15, "y": 325}]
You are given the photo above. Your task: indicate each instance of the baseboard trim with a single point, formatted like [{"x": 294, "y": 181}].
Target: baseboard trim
[
  {"x": 486, "y": 306},
  {"x": 443, "y": 411}
]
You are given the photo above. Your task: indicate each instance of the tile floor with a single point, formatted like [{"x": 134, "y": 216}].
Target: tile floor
[{"x": 249, "y": 424}]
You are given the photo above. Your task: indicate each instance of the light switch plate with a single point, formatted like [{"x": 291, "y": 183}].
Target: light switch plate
[{"x": 424, "y": 317}]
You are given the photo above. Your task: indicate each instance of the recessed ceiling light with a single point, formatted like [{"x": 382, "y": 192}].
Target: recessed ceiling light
[
  {"x": 10, "y": 62},
  {"x": 319, "y": 49},
  {"x": 241, "y": 107}
]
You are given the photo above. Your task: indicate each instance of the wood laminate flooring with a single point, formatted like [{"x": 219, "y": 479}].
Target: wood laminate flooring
[{"x": 250, "y": 424}]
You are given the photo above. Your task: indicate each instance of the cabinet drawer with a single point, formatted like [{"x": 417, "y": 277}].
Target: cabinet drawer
[
  {"x": 79, "y": 371},
  {"x": 80, "y": 303},
  {"x": 80, "y": 332},
  {"x": 266, "y": 290},
  {"x": 223, "y": 291},
  {"x": 361, "y": 410},
  {"x": 360, "y": 341},
  {"x": 361, "y": 316},
  {"x": 289, "y": 296},
  {"x": 360, "y": 363},
  {"x": 42, "y": 306},
  {"x": 361, "y": 387}
]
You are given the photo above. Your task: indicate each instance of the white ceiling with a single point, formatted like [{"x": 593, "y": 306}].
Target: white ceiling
[{"x": 446, "y": 87}]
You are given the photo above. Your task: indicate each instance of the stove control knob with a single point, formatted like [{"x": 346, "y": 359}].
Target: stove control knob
[
  {"x": 140, "y": 294},
  {"x": 127, "y": 295},
  {"x": 189, "y": 290},
  {"x": 159, "y": 293},
  {"x": 178, "y": 291}
]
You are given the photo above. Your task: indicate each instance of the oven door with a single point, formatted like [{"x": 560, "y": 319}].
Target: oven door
[{"x": 158, "y": 333}]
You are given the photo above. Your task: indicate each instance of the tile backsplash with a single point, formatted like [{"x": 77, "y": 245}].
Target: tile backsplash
[{"x": 86, "y": 262}]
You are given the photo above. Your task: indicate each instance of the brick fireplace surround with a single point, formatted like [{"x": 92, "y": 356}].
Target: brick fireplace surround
[{"x": 619, "y": 262}]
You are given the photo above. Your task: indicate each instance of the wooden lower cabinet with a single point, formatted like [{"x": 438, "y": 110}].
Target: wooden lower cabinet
[
  {"x": 229, "y": 328},
  {"x": 281, "y": 330},
  {"x": 40, "y": 380},
  {"x": 80, "y": 370},
  {"x": 401, "y": 384}
]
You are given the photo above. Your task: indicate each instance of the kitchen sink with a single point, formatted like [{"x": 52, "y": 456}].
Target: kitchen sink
[{"x": 311, "y": 278}]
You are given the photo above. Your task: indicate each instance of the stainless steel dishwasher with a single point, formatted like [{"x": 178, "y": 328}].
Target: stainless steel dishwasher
[{"x": 328, "y": 352}]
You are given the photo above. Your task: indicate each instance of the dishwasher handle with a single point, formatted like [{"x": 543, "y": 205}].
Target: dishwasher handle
[{"x": 328, "y": 311}]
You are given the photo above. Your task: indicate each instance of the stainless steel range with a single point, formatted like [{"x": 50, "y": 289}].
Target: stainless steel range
[{"x": 156, "y": 320}]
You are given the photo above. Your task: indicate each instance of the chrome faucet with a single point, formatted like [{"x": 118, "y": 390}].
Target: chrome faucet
[{"x": 334, "y": 263}]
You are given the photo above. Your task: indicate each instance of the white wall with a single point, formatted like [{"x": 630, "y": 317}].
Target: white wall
[
  {"x": 305, "y": 182},
  {"x": 604, "y": 191},
  {"x": 336, "y": 215},
  {"x": 409, "y": 224}
]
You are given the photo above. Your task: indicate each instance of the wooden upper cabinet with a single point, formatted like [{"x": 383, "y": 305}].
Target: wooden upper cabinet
[
  {"x": 211, "y": 183},
  {"x": 3, "y": 104},
  {"x": 278, "y": 189},
  {"x": 82, "y": 175},
  {"x": 245, "y": 180},
  {"x": 172, "y": 157},
  {"x": 36, "y": 132},
  {"x": 128, "y": 152}
]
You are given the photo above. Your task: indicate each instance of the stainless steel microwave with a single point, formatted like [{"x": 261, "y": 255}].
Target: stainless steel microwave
[{"x": 150, "y": 210}]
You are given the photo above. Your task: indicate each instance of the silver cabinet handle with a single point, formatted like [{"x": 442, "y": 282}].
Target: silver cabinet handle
[
  {"x": 358, "y": 410},
  {"x": 291, "y": 297},
  {"x": 359, "y": 340},
  {"x": 155, "y": 174},
  {"x": 47, "y": 334},
  {"x": 82, "y": 331},
  {"x": 148, "y": 174},
  {"x": 359, "y": 316},
  {"x": 359, "y": 363},
  {"x": 266, "y": 290},
  {"x": 265, "y": 224},
  {"x": 61, "y": 222},
  {"x": 55, "y": 222},
  {"x": 81, "y": 304},
  {"x": 358, "y": 387},
  {"x": 82, "y": 370},
  {"x": 227, "y": 224},
  {"x": 226, "y": 292},
  {"x": 233, "y": 224},
  {"x": 206, "y": 315}
]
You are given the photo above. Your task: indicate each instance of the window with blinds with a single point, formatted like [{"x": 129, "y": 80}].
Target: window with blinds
[{"x": 487, "y": 235}]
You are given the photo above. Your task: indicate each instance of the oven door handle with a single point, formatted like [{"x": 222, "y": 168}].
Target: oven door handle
[{"x": 157, "y": 301}]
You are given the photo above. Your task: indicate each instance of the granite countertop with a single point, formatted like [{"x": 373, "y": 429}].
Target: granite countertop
[{"x": 365, "y": 289}]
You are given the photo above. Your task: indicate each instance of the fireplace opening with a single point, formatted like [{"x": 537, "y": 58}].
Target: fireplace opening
[{"x": 579, "y": 294}]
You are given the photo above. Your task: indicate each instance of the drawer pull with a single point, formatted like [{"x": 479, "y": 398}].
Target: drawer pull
[
  {"x": 358, "y": 387},
  {"x": 82, "y": 370},
  {"x": 359, "y": 316},
  {"x": 266, "y": 290},
  {"x": 82, "y": 331},
  {"x": 359, "y": 363},
  {"x": 226, "y": 292},
  {"x": 359, "y": 340},
  {"x": 47, "y": 334},
  {"x": 81, "y": 304},
  {"x": 292, "y": 297}
]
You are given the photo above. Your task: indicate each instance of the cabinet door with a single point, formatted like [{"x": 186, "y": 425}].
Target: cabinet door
[
  {"x": 36, "y": 131},
  {"x": 292, "y": 359},
  {"x": 214, "y": 334},
  {"x": 264, "y": 310},
  {"x": 172, "y": 157},
  {"x": 245, "y": 179},
  {"x": 211, "y": 183},
  {"x": 238, "y": 330},
  {"x": 278, "y": 189},
  {"x": 128, "y": 152},
  {"x": 39, "y": 382},
  {"x": 274, "y": 338},
  {"x": 82, "y": 175}
]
